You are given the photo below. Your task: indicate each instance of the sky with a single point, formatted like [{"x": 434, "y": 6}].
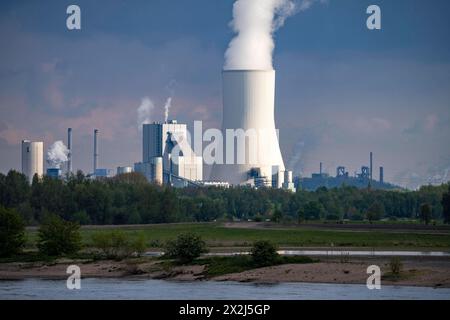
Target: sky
[{"x": 342, "y": 90}]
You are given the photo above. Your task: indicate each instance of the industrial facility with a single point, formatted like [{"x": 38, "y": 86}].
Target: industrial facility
[
  {"x": 167, "y": 156},
  {"x": 362, "y": 179}
]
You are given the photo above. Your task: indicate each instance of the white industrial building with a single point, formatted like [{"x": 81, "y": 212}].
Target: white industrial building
[
  {"x": 32, "y": 159},
  {"x": 167, "y": 156}
]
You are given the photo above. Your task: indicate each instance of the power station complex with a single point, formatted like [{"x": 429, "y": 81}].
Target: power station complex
[
  {"x": 251, "y": 151},
  {"x": 167, "y": 156}
]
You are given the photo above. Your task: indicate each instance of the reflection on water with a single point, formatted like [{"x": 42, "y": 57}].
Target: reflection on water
[{"x": 170, "y": 290}]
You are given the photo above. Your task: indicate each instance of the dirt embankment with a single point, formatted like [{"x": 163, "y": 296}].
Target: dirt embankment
[{"x": 416, "y": 272}]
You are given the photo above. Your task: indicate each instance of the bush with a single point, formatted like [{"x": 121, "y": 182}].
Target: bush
[
  {"x": 58, "y": 237},
  {"x": 264, "y": 253},
  {"x": 395, "y": 266},
  {"x": 116, "y": 245},
  {"x": 185, "y": 248},
  {"x": 12, "y": 232}
]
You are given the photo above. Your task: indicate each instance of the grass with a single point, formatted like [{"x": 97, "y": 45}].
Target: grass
[
  {"x": 215, "y": 234},
  {"x": 35, "y": 256}
]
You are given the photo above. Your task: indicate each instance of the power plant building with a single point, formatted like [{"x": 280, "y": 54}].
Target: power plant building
[
  {"x": 167, "y": 156},
  {"x": 32, "y": 159}
]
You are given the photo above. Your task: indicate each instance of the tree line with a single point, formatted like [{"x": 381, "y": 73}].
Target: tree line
[{"x": 130, "y": 199}]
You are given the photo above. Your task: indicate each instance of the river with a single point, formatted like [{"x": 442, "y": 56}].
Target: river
[{"x": 96, "y": 289}]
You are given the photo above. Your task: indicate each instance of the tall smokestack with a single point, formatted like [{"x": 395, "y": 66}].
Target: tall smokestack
[
  {"x": 321, "y": 166},
  {"x": 69, "y": 146},
  {"x": 381, "y": 175},
  {"x": 95, "y": 150},
  {"x": 371, "y": 165}
]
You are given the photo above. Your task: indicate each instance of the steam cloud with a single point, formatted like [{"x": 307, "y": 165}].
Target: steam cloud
[
  {"x": 255, "y": 22},
  {"x": 144, "y": 112},
  {"x": 167, "y": 107},
  {"x": 57, "y": 154}
]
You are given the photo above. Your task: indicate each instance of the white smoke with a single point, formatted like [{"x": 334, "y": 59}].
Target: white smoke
[
  {"x": 144, "y": 112},
  {"x": 255, "y": 22},
  {"x": 57, "y": 154},
  {"x": 167, "y": 107}
]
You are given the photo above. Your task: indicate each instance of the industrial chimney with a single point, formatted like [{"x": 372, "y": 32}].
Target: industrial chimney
[
  {"x": 381, "y": 175},
  {"x": 371, "y": 165},
  {"x": 95, "y": 150},
  {"x": 248, "y": 103},
  {"x": 69, "y": 146}
]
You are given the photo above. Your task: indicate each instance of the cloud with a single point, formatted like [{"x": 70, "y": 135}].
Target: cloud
[
  {"x": 431, "y": 122},
  {"x": 12, "y": 135}
]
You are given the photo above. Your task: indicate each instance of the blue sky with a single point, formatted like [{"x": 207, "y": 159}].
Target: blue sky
[{"x": 342, "y": 90}]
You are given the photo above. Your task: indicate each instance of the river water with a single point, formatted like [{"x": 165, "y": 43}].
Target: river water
[{"x": 96, "y": 289}]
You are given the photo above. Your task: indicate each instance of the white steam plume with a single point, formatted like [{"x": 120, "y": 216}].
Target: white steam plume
[
  {"x": 144, "y": 112},
  {"x": 57, "y": 154},
  {"x": 255, "y": 22},
  {"x": 167, "y": 107}
]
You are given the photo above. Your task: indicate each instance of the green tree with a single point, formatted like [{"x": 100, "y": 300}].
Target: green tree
[
  {"x": 446, "y": 206},
  {"x": 277, "y": 216},
  {"x": 185, "y": 248},
  {"x": 58, "y": 237},
  {"x": 15, "y": 189},
  {"x": 375, "y": 212},
  {"x": 425, "y": 213},
  {"x": 12, "y": 232},
  {"x": 300, "y": 215},
  {"x": 264, "y": 253},
  {"x": 314, "y": 210}
]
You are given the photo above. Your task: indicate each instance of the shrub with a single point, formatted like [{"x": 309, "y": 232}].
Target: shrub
[
  {"x": 395, "y": 266},
  {"x": 264, "y": 253},
  {"x": 58, "y": 237},
  {"x": 12, "y": 232},
  {"x": 116, "y": 245},
  {"x": 185, "y": 248}
]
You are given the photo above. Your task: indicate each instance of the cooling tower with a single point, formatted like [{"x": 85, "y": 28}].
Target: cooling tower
[{"x": 248, "y": 105}]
